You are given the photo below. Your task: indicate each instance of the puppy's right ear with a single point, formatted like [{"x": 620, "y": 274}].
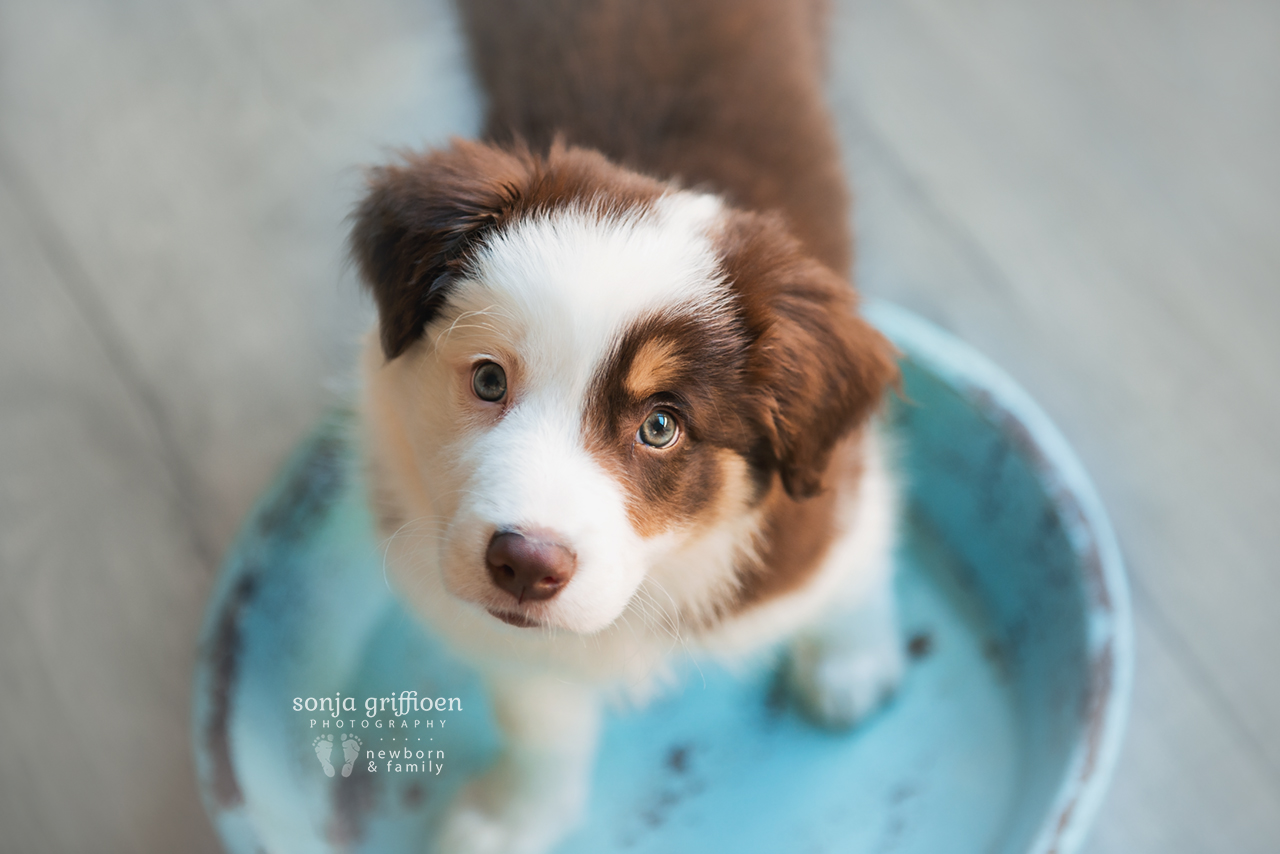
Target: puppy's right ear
[{"x": 418, "y": 221}]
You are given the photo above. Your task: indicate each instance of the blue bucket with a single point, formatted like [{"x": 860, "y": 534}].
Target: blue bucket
[{"x": 1002, "y": 738}]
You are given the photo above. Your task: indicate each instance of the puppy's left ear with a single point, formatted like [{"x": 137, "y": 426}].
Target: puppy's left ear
[
  {"x": 418, "y": 221},
  {"x": 816, "y": 368}
]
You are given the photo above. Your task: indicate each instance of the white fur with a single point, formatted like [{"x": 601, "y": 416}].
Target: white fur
[
  {"x": 537, "y": 791},
  {"x": 857, "y": 565},
  {"x": 549, "y": 299}
]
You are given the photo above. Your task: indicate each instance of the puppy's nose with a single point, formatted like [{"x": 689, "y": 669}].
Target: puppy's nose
[{"x": 531, "y": 567}]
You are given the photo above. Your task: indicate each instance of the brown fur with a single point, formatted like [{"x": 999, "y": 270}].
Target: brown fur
[
  {"x": 797, "y": 534},
  {"x": 816, "y": 369},
  {"x": 703, "y": 375},
  {"x": 724, "y": 95},
  {"x": 422, "y": 217},
  {"x": 779, "y": 380}
]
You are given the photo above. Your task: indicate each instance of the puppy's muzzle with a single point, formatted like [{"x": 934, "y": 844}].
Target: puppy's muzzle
[{"x": 530, "y": 567}]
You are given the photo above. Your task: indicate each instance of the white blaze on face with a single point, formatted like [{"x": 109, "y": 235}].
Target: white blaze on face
[{"x": 548, "y": 299}]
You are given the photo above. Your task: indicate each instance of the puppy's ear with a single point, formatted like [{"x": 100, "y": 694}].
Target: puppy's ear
[
  {"x": 816, "y": 369},
  {"x": 419, "y": 219}
]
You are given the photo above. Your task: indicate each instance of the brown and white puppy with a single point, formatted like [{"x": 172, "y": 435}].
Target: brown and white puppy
[{"x": 619, "y": 400}]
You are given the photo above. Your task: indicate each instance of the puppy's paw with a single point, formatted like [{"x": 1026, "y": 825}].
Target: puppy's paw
[
  {"x": 491, "y": 816},
  {"x": 839, "y": 686}
]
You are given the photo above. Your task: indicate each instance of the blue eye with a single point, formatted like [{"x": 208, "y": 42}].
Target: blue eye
[
  {"x": 489, "y": 382},
  {"x": 659, "y": 430}
]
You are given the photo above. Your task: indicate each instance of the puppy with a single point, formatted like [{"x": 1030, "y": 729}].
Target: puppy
[{"x": 619, "y": 400}]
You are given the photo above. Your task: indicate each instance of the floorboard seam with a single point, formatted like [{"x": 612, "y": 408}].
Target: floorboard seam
[
  {"x": 985, "y": 267},
  {"x": 83, "y": 293},
  {"x": 1201, "y": 676}
]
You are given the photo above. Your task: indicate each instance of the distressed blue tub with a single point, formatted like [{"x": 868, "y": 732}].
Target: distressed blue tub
[{"x": 1001, "y": 740}]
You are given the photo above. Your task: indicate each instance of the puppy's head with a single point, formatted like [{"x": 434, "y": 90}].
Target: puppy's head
[{"x": 594, "y": 379}]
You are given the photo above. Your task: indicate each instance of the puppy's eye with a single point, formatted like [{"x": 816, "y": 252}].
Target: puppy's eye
[
  {"x": 659, "y": 430},
  {"x": 489, "y": 382}
]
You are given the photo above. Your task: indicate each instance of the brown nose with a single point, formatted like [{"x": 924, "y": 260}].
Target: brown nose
[{"x": 530, "y": 568}]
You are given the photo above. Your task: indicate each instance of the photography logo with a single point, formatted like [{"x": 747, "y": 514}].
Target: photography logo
[
  {"x": 350, "y": 753},
  {"x": 398, "y": 732}
]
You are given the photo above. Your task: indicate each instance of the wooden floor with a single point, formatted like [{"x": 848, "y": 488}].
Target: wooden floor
[{"x": 1088, "y": 191}]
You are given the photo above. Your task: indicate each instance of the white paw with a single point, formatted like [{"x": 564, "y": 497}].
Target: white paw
[
  {"x": 490, "y": 817},
  {"x": 839, "y": 686}
]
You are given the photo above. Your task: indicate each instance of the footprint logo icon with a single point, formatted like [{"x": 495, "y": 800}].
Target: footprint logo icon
[
  {"x": 350, "y": 753},
  {"x": 324, "y": 748}
]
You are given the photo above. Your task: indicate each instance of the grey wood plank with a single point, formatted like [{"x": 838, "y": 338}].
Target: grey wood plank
[
  {"x": 201, "y": 159},
  {"x": 1167, "y": 318},
  {"x": 1085, "y": 190},
  {"x": 100, "y": 588},
  {"x": 190, "y": 167},
  {"x": 1187, "y": 780},
  {"x": 1085, "y": 193}
]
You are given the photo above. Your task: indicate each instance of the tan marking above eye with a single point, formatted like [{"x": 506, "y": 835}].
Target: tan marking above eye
[{"x": 656, "y": 363}]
